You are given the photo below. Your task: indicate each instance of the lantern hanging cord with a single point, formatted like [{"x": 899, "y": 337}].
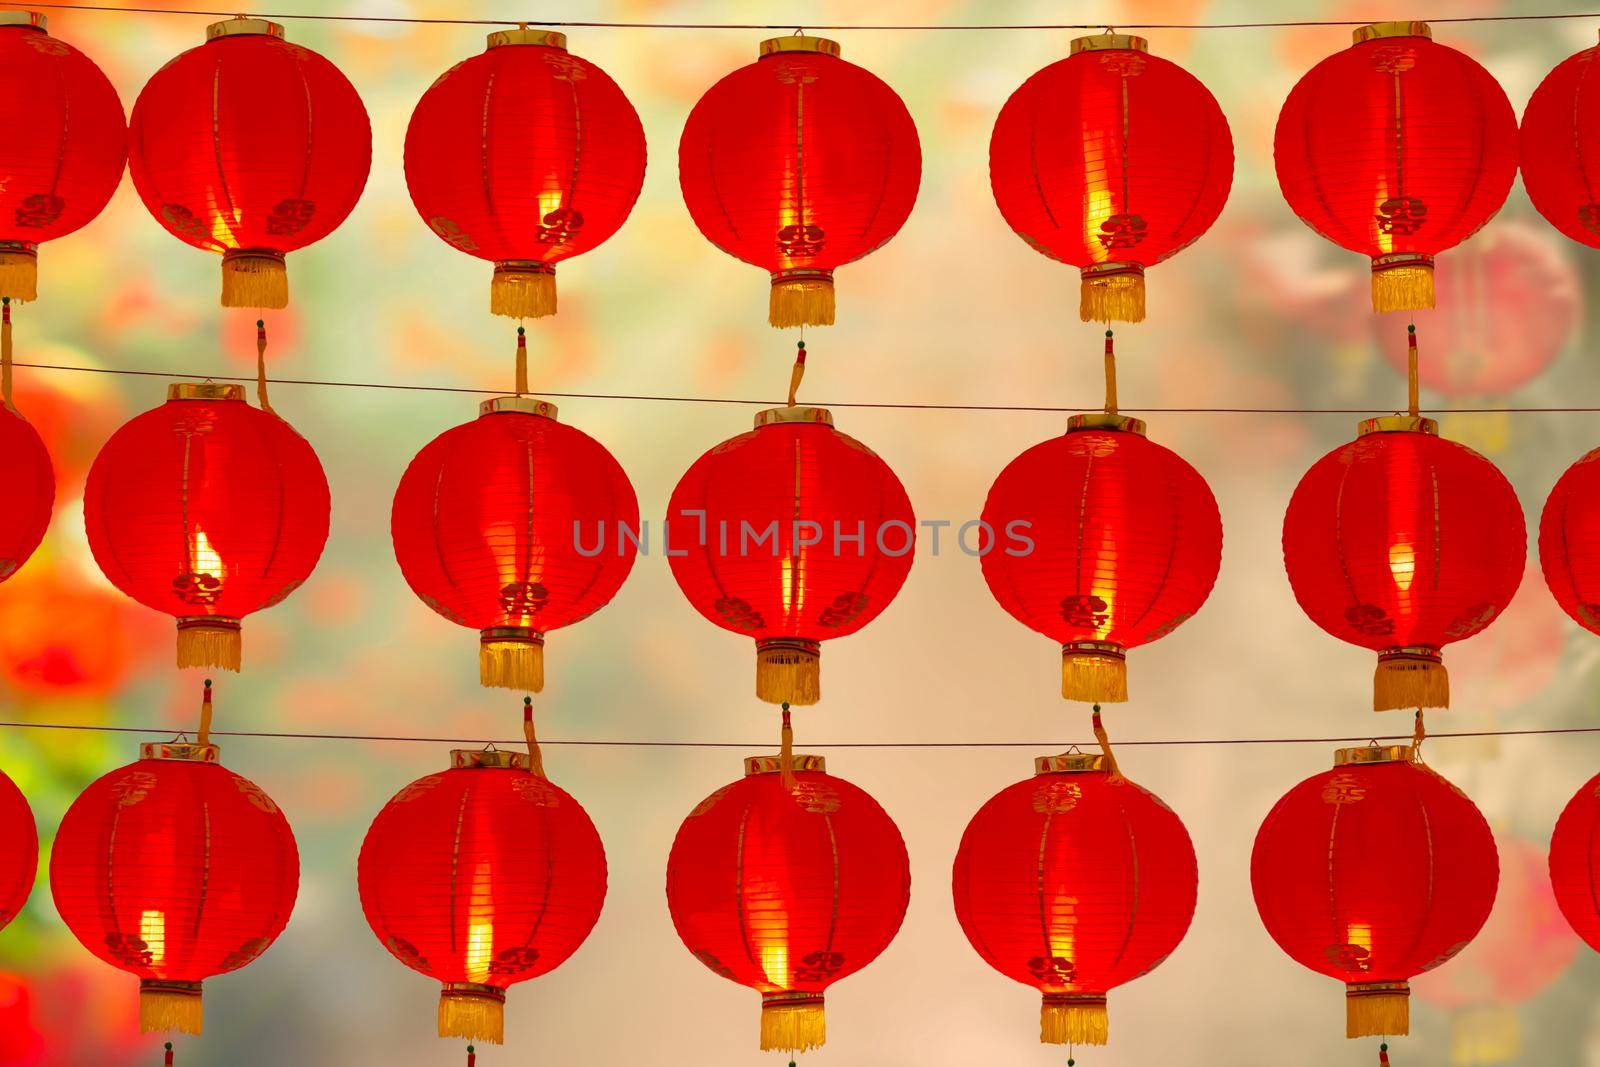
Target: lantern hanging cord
[
  {"x": 785, "y": 27},
  {"x": 5, "y": 354},
  {"x": 797, "y": 375},
  {"x": 261, "y": 367},
  {"x": 1111, "y": 374},
  {"x": 205, "y": 714},
  {"x": 535, "y": 757},
  {"x": 522, "y": 361}
]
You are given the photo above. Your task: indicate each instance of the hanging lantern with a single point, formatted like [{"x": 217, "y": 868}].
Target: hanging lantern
[
  {"x": 207, "y": 509},
  {"x": 798, "y": 164},
  {"x": 525, "y": 155},
  {"x": 515, "y": 525},
  {"x": 1575, "y": 862},
  {"x": 787, "y": 889},
  {"x": 482, "y": 876},
  {"x": 1569, "y": 541},
  {"x": 30, "y": 488},
  {"x": 65, "y": 143},
  {"x": 1402, "y": 542},
  {"x": 1373, "y": 873},
  {"x": 1559, "y": 129},
  {"x": 174, "y": 869},
  {"x": 250, "y": 147},
  {"x": 1075, "y": 881},
  {"x": 1397, "y": 148},
  {"x": 19, "y": 859},
  {"x": 791, "y": 534},
  {"x": 1111, "y": 160}
]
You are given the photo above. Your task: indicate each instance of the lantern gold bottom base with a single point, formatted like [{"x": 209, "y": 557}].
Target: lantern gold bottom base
[
  {"x": 801, "y": 299},
  {"x": 789, "y": 671},
  {"x": 170, "y": 1006},
  {"x": 1486, "y": 1034},
  {"x": 255, "y": 279},
  {"x": 1094, "y": 672},
  {"x": 1408, "y": 287},
  {"x": 473, "y": 1012},
  {"x": 1111, "y": 298},
  {"x": 1073, "y": 1019},
  {"x": 523, "y": 290},
  {"x": 19, "y": 274},
  {"x": 792, "y": 1023},
  {"x": 511, "y": 658},
  {"x": 1377, "y": 1009},
  {"x": 1410, "y": 678},
  {"x": 208, "y": 641}
]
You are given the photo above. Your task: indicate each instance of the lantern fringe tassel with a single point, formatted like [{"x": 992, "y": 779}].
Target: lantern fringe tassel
[
  {"x": 787, "y": 673},
  {"x": 794, "y": 1027},
  {"x": 162, "y": 1009},
  {"x": 1094, "y": 677},
  {"x": 19, "y": 275},
  {"x": 1112, "y": 298},
  {"x": 523, "y": 293},
  {"x": 1407, "y": 288},
  {"x": 472, "y": 1016},
  {"x": 511, "y": 663},
  {"x": 1380, "y": 1012},
  {"x": 1074, "y": 1022},
  {"x": 210, "y": 646},
  {"x": 1488, "y": 1034},
  {"x": 1410, "y": 682},
  {"x": 801, "y": 302},
  {"x": 254, "y": 280}
]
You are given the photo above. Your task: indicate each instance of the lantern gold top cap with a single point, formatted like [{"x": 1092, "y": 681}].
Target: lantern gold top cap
[
  {"x": 1105, "y": 420},
  {"x": 1345, "y": 757},
  {"x": 778, "y": 416},
  {"x": 525, "y": 405},
  {"x": 1110, "y": 42},
  {"x": 180, "y": 750},
  {"x": 25, "y": 19},
  {"x": 1398, "y": 424},
  {"x": 205, "y": 391},
  {"x": 1379, "y": 30},
  {"x": 487, "y": 759},
  {"x": 524, "y": 35},
  {"x": 799, "y": 42},
  {"x": 243, "y": 27},
  {"x": 1069, "y": 763},
  {"x": 774, "y": 764}
]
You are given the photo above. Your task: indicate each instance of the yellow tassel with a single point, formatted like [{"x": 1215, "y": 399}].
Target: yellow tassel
[
  {"x": 1073, "y": 1020},
  {"x": 475, "y": 1014},
  {"x": 1488, "y": 1034},
  {"x": 1406, "y": 681},
  {"x": 1111, "y": 298},
  {"x": 523, "y": 290},
  {"x": 170, "y": 1006},
  {"x": 1380, "y": 1009},
  {"x": 801, "y": 301},
  {"x": 511, "y": 662},
  {"x": 1094, "y": 676},
  {"x": 788, "y": 672},
  {"x": 254, "y": 280},
  {"x": 216, "y": 645},
  {"x": 793, "y": 1025},
  {"x": 19, "y": 274},
  {"x": 1403, "y": 288}
]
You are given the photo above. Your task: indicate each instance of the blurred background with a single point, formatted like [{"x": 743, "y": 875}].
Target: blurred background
[{"x": 1260, "y": 312}]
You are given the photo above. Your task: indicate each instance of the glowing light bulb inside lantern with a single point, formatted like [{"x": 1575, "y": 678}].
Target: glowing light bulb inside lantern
[
  {"x": 775, "y": 964},
  {"x": 153, "y": 932},
  {"x": 794, "y": 586},
  {"x": 1403, "y": 565},
  {"x": 549, "y": 200},
  {"x": 480, "y": 951},
  {"x": 1097, "y": 209},
  {"x": 203, "y": 559},
  {"x": 1062, "y": 924},
  {"x": 1359, "y": 935}
]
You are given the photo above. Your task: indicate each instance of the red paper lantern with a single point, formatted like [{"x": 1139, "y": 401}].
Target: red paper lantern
[
  {"x": 65, "y": 143},
  {"x": 30, "y": 488},
  {"x": 174, "y": 869},
  {"x": 787, "y": 889},
  {"x": 1402, "y": 542},
  {"x": 480, "y": 877},
  {"x": 1569, "y": 541},
  {"x": 1111, "y": 160},
  {"x": 1104, "y": 540},
  {"x": 791, "y": 534},
  {"x": 1397, "y": 148},
  {"x": 1373, "y": 873},
  {"x": 1559, "y": 131},
  {"x": 207, "y": 509},
  {"x": 1075, "y": 881},
  {"x": 19, "y": 859},
  {"x": 250, "y": 147},
  {"x": 515, "y": 525},
  {"x": 1575, "y": 862},
  {"x": 525, "y": 155},
  {"x": 798, "y": 164}
]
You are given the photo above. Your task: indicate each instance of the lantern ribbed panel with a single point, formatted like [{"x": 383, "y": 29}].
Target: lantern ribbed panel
[
  {"x": 1560, "y": 158},
  {"x": 1126, "y": 537},
  {"x": 30, "y": 491},
  {"x": 1111, "y": 155},
  {"x": 207, "y": 507},
  {"x": 174, "y": 869},
  {"x": 489, "y": 517},
  {"x": 783, "y": 892},
  {"x": 1575, "y": 862},
  {"x": 484, "y": 875},
  {"x": 19, "y": 859},
  {"x": 1403, "y": 539},
  {"x": 1569, "y": 541},
  {"x": 1073, "y": 882},
  {"x": 1374, "y": 872},
  {"x": 249, "y": 142},
  {"x": 525, "y": 152}
]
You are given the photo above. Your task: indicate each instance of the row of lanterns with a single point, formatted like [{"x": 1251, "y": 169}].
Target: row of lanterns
[{"x": 1110, "y": 160}]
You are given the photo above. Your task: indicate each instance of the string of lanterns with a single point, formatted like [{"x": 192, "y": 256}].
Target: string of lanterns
[{"x": 1074, "y": 881}]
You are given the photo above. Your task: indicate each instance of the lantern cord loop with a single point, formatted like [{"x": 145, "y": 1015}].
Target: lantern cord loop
[
  {"x": 1101, "y": 736},
  {"x": 799, "y": 372},
  {"x": 522, "y": 361},
  {"x": 168, "y": 1060},
  {"x": 1111, "y": 375},
  {"x": 205, "y": 715},
  {"x": 1412, "y": 392},
  {"x": 786, "y": 752},
  {"x": 261, "y": 367},
  {"x": 535, "y": 755}
]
